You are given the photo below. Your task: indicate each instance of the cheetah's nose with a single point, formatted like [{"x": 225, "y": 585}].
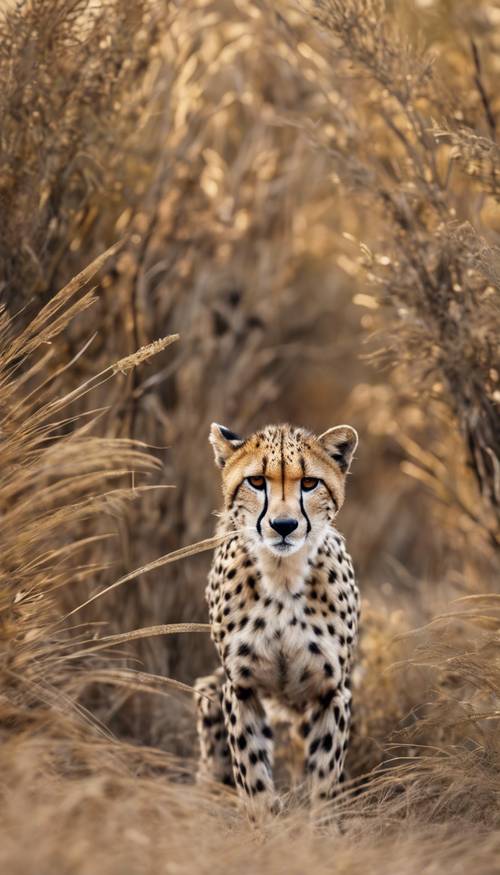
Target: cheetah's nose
[{"x": 284, "y": 526}]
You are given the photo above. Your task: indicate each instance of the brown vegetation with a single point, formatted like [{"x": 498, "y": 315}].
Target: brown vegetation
[{"x": 309, "y": 198}]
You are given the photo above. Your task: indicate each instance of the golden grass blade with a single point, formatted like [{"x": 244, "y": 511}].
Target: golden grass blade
[
  {"x": 138, "y": 681},
  {"x": 174, "y": 556},
  {"x": 123, "y": 365},
  {"x": 136, "y": 634}
]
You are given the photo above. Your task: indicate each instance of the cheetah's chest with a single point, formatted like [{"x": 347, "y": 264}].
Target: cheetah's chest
[
  {"x": 287, "y": 645},
  {"x": 292, "y": 649}
]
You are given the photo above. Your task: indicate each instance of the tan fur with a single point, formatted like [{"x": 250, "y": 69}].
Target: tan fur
[{"x": 283, "y": 608}]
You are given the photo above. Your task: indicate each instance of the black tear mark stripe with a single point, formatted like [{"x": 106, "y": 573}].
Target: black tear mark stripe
[
  {"x": 282, "y": 467},
  {"x": 303, "y": 466},
  {"x": 264, "y": 509},
  {"x": 304, "y": 512}
]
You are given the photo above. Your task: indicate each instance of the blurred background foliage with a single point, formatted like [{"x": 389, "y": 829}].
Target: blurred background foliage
[{"x": 308, "y": 195}]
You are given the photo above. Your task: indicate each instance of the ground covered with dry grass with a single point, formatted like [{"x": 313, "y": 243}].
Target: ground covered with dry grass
[{"x": 248, "y": 212}]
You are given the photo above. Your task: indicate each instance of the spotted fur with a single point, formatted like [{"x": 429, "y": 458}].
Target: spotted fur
[{"x": 284, "y": 610}]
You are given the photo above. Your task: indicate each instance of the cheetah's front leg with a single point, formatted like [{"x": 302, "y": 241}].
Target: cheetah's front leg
[
  {"x": 251, "y": 745},
  {"x": 326, "y": 734},
  {"x": 215, "y": 758}
]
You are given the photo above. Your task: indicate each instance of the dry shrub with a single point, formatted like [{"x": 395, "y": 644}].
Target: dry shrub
[
  {"x": 430, "y": 269},
  {"x": 70, "y": 106},
  {"x": 449, "y": 769},
  {"x": 61, "y": 490}
]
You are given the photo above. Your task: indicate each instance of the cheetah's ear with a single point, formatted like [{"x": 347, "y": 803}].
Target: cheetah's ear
[
  {"x": 224, "y": 442},
  {"x": 340, "y": 443}
]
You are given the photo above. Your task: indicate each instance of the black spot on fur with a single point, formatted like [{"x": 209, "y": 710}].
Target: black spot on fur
[
  {"x": 326, "y": 698},
  {"x": 327, "y": 741}
]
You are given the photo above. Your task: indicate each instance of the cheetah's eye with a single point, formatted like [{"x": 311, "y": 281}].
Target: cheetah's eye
[
  {"x": 257, "y": 482},
  {"x": 309, "y": 483}
]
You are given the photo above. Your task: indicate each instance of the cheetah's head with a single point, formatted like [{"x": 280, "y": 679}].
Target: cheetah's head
[{"x": 283, "y": 485}]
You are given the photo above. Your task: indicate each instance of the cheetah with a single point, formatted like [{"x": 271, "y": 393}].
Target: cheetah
[{"x": 284, "y": 611}]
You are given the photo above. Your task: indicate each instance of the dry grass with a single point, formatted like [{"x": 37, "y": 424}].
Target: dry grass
[{"x": 309, "y": 198}]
